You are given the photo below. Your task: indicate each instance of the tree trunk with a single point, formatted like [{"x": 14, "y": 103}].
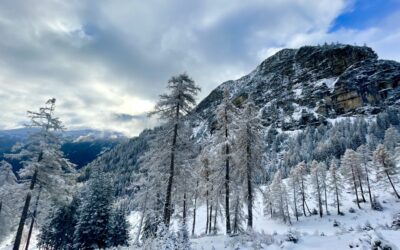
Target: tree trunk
[
  {"x": 207, "y": 215},
  {"x": 227, "y": 180},
  {"x": 235, "y": 220},
  {"x": 355, "y": 188},
  {"x": 369, "y": 186},
  {"x": 361, "y": 188},
  {"x": 184, "y": 209},
  {"x": 295, "y": 202},
  {"x": 319, "y": 197},
  {"x": 210, "y": 226},
  {"x": 337, "y": 199},
  {"x": 249, "y": 191},
  {"x": 391, "y": 183},
  {"x": 167, "y": 206},
  {"x": 194, "y": 209},
  {"x": 326, "y": 199},
  {"x": 303, "y": 197},
  {"x": 287, "y": 209},
  {"x": 25, "y": 210},
  {"x": 215, "y": 220},
  {"x": 33, "y": 219}
]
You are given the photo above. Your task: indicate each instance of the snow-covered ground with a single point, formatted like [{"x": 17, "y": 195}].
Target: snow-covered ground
[{"x": 313, "y": 232}]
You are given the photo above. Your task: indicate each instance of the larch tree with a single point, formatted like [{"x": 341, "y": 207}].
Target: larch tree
[
  {"x": 386, "y": 168},
  {"x": 172, "y": 108},
  {"x": 316, "y": 179},
  {"x": 300, "y": 174},
  {"x": 151, "y": 183},
  {"x": 324, "y": 180},
  {"x": 365, "y": 159},
  {"x": 248, "y": 152},
  {"x": 294, "y": 183},
  {"x": 226, "y": 117},
  {"x": 350, "y": 164},
  {"x": 392, "y": 139},
  {"x": 279, "y": 197},
  {"x": 43, "y": 161},
  {"x": 335, "y": 184}
]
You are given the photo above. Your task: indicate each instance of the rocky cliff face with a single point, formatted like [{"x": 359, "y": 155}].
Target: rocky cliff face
[{"x": 299, "y": 87}]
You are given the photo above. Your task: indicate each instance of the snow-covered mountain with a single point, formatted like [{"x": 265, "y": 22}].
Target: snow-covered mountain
[
  {"x": 296, "y": 91},
  {"x": 80, "y": 146},
  {"x": 314, "y": 103}
]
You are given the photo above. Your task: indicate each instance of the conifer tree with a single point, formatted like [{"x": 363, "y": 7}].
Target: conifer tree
[
  {"x": 300, "y": 174},
  {"x": 365, "y": 158},
  {"x": 92, "y": 229},
  {"x": 316, "y": 178},
  {"x": 226, "y": 114},
  {"x": 279, "y": 198},
  {"x": 172, "y": 108},
  {"x": 386, "y": 166},
  {"x": 58, "y": 231},
  {"x": 350, "y": 164},
  {"x": 248, "y": 154},
  {"x": 392, "y": 139},
  {"x": 335, "y": 185},
  {"x": 43, "y": 161},
  {"x": 118, "y": 229}
]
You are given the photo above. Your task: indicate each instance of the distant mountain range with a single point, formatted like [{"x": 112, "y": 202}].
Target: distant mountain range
[{"x": 79, "y": 146}]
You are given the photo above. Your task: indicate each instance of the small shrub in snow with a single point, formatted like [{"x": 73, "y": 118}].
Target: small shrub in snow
[
  {"x": 396, "y": 222},
  {"x": 250, "y": 240},
  {"x": 314, "y": 211},
  {"x": 292, "y": 236},
  {"x": 352, "y": 210},
  {"x": 336, "y": 223},
  {"x": 367, "y": 226},
  {"x": 376, "y": 205}
]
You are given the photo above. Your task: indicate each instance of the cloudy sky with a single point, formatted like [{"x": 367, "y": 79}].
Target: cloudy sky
[{"x": 106, "y": 61}]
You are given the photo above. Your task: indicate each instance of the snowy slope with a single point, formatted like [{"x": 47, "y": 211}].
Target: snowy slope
[{"x": 313, "y": 232}]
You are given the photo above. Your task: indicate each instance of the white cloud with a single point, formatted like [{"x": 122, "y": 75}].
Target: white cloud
[{"x": 101, "y": 58}]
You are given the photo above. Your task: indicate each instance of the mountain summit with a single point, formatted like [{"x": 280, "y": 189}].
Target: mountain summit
[{"x": 299, "y": 87}]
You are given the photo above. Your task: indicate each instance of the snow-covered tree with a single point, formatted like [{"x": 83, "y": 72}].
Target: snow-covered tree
[
  {"x": 317, "y": 173},
  {"x": 350, "y": 164},
  {"x": 43, "y": 161},
  {"x": 365, "y": 159},
  {"x": 226, "y": 116},
  {"x": 58, "y": 231},
  {"x": 248, "y": 153},
  {"x": 182, "y": 237},
  {"x": 279, "y": 197},
  {"x": 92, "y": 229},
  {"x": 151, "y": 182},
  {"x": 392, "y": 139},
  {"x": 118, "y": 229},
  {"x": 324, "y": 180},
  {"x": 172, "y": 108},
  {"x": 300, "y": 174},
  {"x": 294, "y": 184},
  {"x": 386, "y": 168},
  {"x": 335, "y": 183}
]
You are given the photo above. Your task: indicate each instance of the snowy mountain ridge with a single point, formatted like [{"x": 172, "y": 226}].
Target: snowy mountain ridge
[{"x": 294, "y": 89}]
